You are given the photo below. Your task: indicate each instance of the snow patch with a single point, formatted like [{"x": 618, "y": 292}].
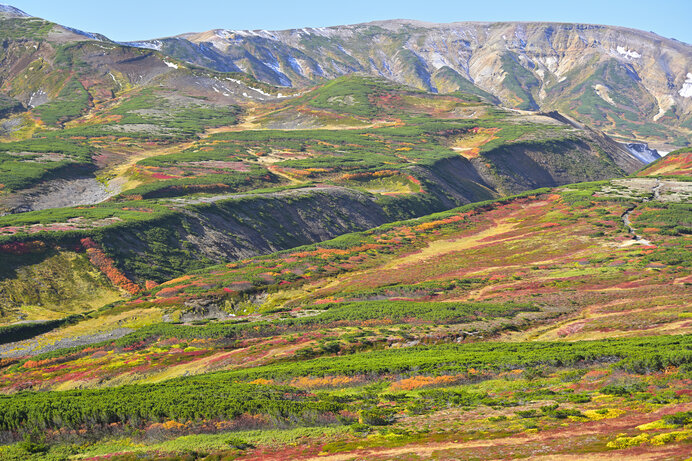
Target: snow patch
[
  {"x": 321, "y": 31},
  {"x": 602, "y": 92},
  {"x": 295, "y": 65},
  {"x": 253, "y": 89},
  {"x": 34, "y": 96},
  {"x": 222, "y": 33},
  {"x": 627, "y": 52},
  {"x": 438, "y": 60},
  {"x": 171, "y": 64},
  {"x": 551, "y": 63},
  {"x": 273, "y": 65},
  {"x": 151, "y": 45},
  {"x": 686, "y": 90},
  {"x": 84, "y": 34},
  {"x": 643, "y": 152},
  {"x": 13, "y": 11}
]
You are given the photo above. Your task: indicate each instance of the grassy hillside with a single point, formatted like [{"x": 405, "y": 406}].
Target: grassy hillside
[
  {"x": 193, "y": 182},
  {"x": 500, "y": 314},
  {"x": 605, "y": 76},
  {"x": 677, "y": 163},
  {"x": 197, "y": 265}
]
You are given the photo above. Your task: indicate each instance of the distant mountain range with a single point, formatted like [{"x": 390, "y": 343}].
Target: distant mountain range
[
  {"x": 625, "y": 81},
  {"x": 631, "y": 84}
]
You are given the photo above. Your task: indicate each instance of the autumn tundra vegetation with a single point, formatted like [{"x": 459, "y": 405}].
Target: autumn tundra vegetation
[{"x": 357, "y": 269}]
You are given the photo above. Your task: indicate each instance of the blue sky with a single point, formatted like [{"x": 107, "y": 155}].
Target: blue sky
[{"x": 141, "y": 19}]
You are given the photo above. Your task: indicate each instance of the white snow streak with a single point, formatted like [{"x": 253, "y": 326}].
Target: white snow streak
[
  {"x": 686, "y": 90},
  {"x": 627, "y": 52}
]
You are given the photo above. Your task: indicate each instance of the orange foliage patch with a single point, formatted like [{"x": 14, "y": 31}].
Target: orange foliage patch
[
  {"x": 149, "y": 284},
  {"x": 368, "y": 175},
  {"x": 309, "y": 382},
  {"x": 423, "y": 381},
  {"x": 20, "y": 248},
  {"x": 442, "y": 222},
  {"x": 106, "y": 265}
]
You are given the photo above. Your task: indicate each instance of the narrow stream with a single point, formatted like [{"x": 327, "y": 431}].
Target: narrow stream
[{"x": 655, "y": 195}]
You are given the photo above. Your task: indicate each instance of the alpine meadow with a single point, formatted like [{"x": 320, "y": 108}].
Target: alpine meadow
[{"x": 389, "y": 240}]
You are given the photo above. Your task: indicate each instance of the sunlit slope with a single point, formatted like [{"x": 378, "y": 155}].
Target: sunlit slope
[
  {"x": 627, "y": 82},
  {"x": 178, "y": 192},
  {"x": 400, "y": 328},
  {"x": 551, "y": 265},
  {"x": 676, "y": 163}
]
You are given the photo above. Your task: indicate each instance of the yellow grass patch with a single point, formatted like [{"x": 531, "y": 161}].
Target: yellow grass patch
[
  {"x": 469, "y": 144},
  {"x": 604, "y": 413},
  {"x": 438, "y": 247}
]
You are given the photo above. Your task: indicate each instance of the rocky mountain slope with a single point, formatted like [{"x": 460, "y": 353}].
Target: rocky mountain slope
[
  {"x": 68, "y": 72},
  {"x": 632, "y": 83},
  {"x": 61, "y": 89}
]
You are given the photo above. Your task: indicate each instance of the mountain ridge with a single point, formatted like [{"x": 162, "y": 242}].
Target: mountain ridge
[
  {"x": 628, "y": 82},
  {"x": 632, "y": 84}
]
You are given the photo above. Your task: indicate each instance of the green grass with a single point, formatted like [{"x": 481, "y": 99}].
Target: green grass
[
  {"x": 93, "y": 212},
  {"x": 221, "y": 396},
  {"x": 350, "y": 95},
  {"x": 637, "y": 354},
  {"x": 410, "y": 311},
  {"x": 150, "y": 106},
  {"x": 24, "y": 28},
  {"x": 156, "y": 402},
  {"x": 520, "y": 81},
  {"x": 18, "y": 172},
  {"x": 9, "y": 105},
  {"x": 22, "y": 331},
  {"x": 72, "y": 101}
]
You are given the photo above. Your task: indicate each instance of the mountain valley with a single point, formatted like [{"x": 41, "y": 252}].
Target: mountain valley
[{"x": 393, "y": 240}]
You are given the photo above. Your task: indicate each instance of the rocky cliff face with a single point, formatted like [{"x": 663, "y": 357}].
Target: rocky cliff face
[{"x": 629, "y": 82}]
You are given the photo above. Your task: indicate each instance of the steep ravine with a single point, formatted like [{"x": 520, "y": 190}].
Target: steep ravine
[{"x": 235, "y": 228}]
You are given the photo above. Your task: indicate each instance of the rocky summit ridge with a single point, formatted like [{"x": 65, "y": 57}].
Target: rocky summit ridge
[{"x": 628, "y": 82}]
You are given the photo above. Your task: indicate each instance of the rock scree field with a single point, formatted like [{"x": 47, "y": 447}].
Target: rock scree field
[{"x": 295, "y": 245}]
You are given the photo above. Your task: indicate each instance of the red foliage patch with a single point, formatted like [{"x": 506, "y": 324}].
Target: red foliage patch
[
  {"x": 162, "y": 176},
  {"x": 20, "y": 248}
]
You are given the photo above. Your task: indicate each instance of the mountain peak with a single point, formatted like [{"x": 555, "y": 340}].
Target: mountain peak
[{"x": 11, "y": 11}]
